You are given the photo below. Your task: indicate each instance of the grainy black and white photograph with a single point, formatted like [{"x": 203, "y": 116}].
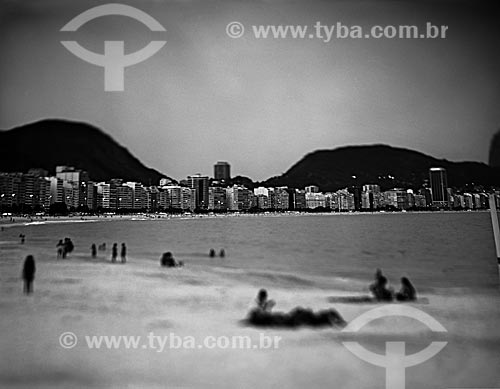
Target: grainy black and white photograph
[{"x": 250, "y": 194}]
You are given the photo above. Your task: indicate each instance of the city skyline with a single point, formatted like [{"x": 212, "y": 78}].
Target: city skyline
[
  {"x": 73, "y": 190},
  {"x": 206, "y": 96}
]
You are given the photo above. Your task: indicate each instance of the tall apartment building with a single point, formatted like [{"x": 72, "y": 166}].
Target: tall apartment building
[
  {"x": 239, "y": 198},
  {"x": 74, "y": 182},
  {"x": 199, "y": 184},
  {"x": 315, "y": 200},
  {"x": 300, "y": 199},
  {"x": 217, "y": 199},
  {"x": 370, "y": 197},
  {"x": 439, "y": 186},
  {"x": 103, "y": 195},
  {"x": 222, "y": 171}
]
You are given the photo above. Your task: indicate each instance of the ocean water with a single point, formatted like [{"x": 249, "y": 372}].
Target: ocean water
[{"x": 433, "y": 249}]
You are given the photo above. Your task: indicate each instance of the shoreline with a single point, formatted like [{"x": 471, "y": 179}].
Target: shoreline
[{"x": 23, "y": 220}]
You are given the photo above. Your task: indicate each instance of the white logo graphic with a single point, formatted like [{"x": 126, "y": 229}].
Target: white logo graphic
[
  {"x": 395, "y": 359},
  {"x": 235, "y": 30},
  {"x": 114, "y": 59},
  {"x": 68, "y": 340}
]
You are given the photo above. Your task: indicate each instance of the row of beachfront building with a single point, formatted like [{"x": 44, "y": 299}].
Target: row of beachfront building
[{"x": 36, "y": 190}]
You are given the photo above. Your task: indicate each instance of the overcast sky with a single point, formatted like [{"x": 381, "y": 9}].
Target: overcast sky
[{"x": 261, "y": 104}]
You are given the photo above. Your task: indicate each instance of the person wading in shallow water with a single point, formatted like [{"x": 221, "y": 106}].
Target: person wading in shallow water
[
  {"x": 114, "y": 252},
  {"x": 29, "y": 274},
  {"x": 123, "y": 253}
]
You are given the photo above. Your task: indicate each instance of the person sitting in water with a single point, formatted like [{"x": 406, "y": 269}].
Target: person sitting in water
[
  {"x": 211, "y": 253},
  {"x": 263, "y": 303},
  {"x": 222, "y": 253},
  {"x": 167, "y": 260},
  {"x": 407, "y": 292},
  {"x": 379, "y": 288}
]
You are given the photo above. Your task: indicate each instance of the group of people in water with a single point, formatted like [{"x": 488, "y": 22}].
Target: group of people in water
[
  {"x": 381, "y": 292},
  {"x": 262, "y": 315},
  {"x": 64, "y": 247},
  {"x": 222, "y": 253},
  {"x": 114, "y": 251}
]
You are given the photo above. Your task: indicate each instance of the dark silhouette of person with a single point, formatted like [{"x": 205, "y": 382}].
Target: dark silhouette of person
[
  {"x": 93, "y": 250},
  {"x": 407, "y": 291},
  {"x": 262, "y": 301},
  {"x": 261, "y": 315},
  {"x": 114, "y": 252},
  {"x": 29, "y": 274},
  {"x": 123, "y": 253},
  {"x": 60, "y": 248},
  {"x": 379, "y": 288},
  {"x": 211, "y": 253},
  {"x": 167, "y": 260},
  {"x": 68, "y": 247},
  {"x": 23, "y": 238},
  {"x": 222, "y": 253}
]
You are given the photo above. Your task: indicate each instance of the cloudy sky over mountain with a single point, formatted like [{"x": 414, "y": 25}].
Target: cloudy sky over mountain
[{"x": 260, "y": 104}]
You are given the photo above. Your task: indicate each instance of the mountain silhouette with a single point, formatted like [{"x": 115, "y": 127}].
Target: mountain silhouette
[
  {"x": 49, "y": 143},
  {"x": 387, "y": 166}
]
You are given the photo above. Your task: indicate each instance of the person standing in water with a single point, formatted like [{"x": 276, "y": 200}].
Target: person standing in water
[
  {"x": 114, "y": 252},
  {"x": 123, "y": 253},
  {"x": 29, "y": 269},
  {"x": 93, "y": 250},
  {"x": 60, "y": 248}
]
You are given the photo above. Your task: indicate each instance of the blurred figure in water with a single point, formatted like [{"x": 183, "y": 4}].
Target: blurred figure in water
[
  {"x": 93, "y": 250},
  {"x": 29, "y": 274},
  {"x": 407, "y": 291},
  {"x": 263, "y": 303},
  {"x": 379, "y": 288},
  {"x": 60, "y": 248},
  {"x": 211, "y": 253},
  {"x": 167, "y": 260},
  {"x": 123, "y": 253},
  {"x": 262, "y": 315},
  {"x": 23, "y": 238},
  {"x": 102, "y": 247},
  {"x": 222, "y": 253},
  {"x": 114, "y": 252},
  {"x": 68, "y": 247}
]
